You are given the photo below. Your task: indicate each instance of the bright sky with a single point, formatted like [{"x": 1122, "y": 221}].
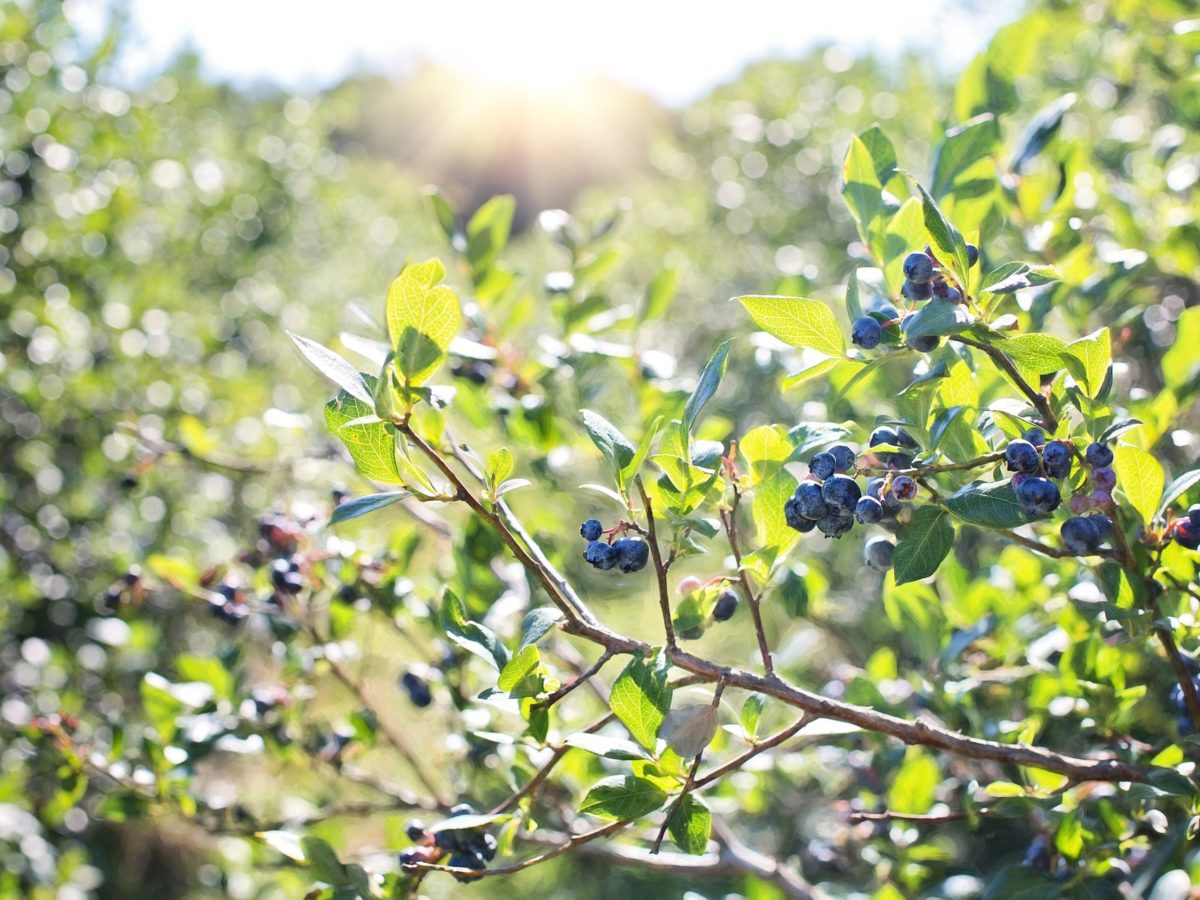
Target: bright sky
[{"x": 674, "y": 51}]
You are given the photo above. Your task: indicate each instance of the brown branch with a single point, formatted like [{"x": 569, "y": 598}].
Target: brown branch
[
  {"x": 557, "y": 850},
  {"x": 1038, "y": 399},
  {"x": 660, "y": 571},
  {"x": 547, "y": 767},
  {"x": 580, "y": 679},
  {"x": 729, "y": 520},
  {"x": 978, "y": 462},
  {"x": 759, "y": 747}
]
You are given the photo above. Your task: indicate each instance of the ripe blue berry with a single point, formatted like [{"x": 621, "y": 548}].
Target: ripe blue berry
[
  {"x": 1080, "y": 535},
  {"x": 894, "y": 437},
  {"x": 484, "y": 844},
  {"x": 836, "y": 523},
  {"x": 810, "y": 500},
  {"x": 866, "y": 333},
  {"x": 417, "y": 689},
  {"x": 878, "y": 554},
  {"x": 415, "y": 830},
  {"x": 1104, "y": 525},
  {"x": 843, "y": 457},
  {"x": 868, "y": 511},
  {"x": 913, "y": 290},
  {"x": 1194, "y": 514},
  {"x": 1098, "y": 455},
  {"x": 591, "y": 530},
  {"x": 412, "y": 855},
  {"x": 727, "y": 605},
  {"x": 1105, "y": 478},
  {"x": 841, "y": 492},
  {"x": 1022, "y": 456},
  {"x": 904, "y": 488},
  {"x": 886, "y": 314},
  {"x": 822, "y": 465},
  {"x": 1187, "y": 534},
  {"x": 1056, "y": 457},
  {"x": 467, "y": 859},
  {"x": 1035, "y": 436},
  {"x": 972, "y": 254},
  {"x": 794, "y": 517},
  {"x": 1037, "y": 497},
  {"x": 600, "y": 555},
  {"x": 632, "y": 554},
  {"x": 1176, "y": 701},
  {"x": 918, "y": 267}
]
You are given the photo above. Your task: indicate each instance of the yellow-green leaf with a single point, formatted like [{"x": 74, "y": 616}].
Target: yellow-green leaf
[
  {"x": 423, "y": 316},
  {"x": 798, "y": 322},
  {"x": 1140, "y": 478}
]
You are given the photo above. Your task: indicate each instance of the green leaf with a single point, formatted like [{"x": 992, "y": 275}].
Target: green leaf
[
  {"x": 752, "y": 713},
  {"x": 1039, "y": 354},
  {"x": 333, "y": 367},
  {"x": 922, "y": 545},
  {"x": 914, "y": 787},
  {"x": 537, "y": 624},
  {"x": 1023, "y": 883},
  {"x": 659, "y": 295},
  {"x": 1092, "y": 355},
  {"x": 360, "y": 506},
  {"x": 710, "y": 380},
  {"x": 1140, "y": 477},
  {"x": 371, "y": 443},
  {"x": 770, "y": 524},
  {"x": 939, "y": 317},
  {"x": 853, "y": 304},
  {"x": 963, "y": 147},
  {"x": 1181, "y": 361},
  {"x": 822, "y": 366},
  {"x": 612, "y": 444},
  {"x": 622, "y": 798},
  {"x": 641, "y": 697},
  {"x": 519, "y": 668},
  {"x": 488, "y": 231},
  {"x": 447, "y": 219},
  {"x": 1012, "y": 276},
  {"x": 606, "y": 746},
  {"x": 499, "y": 466},
  {"x": 630, "y": 470},
  {"x": 471, "y": 636},
  {"x": 882, "y": 153},
  {"x": 861, "y": 187},
  {"x": 423, "y": 316},
  {"x": 951, "y": 247},
  {"x": 1178, "y": 488},
  {"x": 160, "y": 706},
  {"x": 797, "y": 321},
  {"x": 284, "y": 842},
  {"x": 690, "y": 825},
  {"x": 988, "y": 505},
  {"x": 323, "y": 860}
]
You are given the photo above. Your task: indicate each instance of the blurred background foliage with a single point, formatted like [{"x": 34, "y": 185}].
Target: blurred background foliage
[{"x": 158, "y": 240}]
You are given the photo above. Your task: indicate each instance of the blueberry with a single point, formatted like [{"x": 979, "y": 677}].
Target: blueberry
[
  {"x": 918, "y": 267},
  {"x": 632, "y": 554},
  {"x": 1101, "y": 497},
  {"x": 591, "y": 530},
  {"x": 467, "y": 859},
  {"x": 972, "y": 254},
  {"x": 1037, "y": 497},
  {"x": 1035, "y": 436},
  {"x": 954, "y": 295},
  {"x": 727, "y": 605},
  {"x": 888, "y": 501},
  {"x": 866, "y": 333},
  {"x": 412, "y": 856},
  {"x": 912, "y": 290},
  {"x": 868, "y": 511},
  {"x": 878, "y": 554},
  {"x": 485, "y": 845},
  {"x": 1022, "y": 456},
  {"x": 836, "y": 523},
  {"x": 925, "y": 343},
  {"x": 1105, "y": 478},
  {"x": 904, "y": 488},
  {"x": 415, "y": 830},
  {"x": 823, "y": 465},
  {"x": 843, "y": 457},
  {"x": 794, "y": 517},
  {"x": 1104, "y": 525},
  {"x": 884, "y": 435},
  {"x": 462, "y": 809},
  {"x": 841, "y": 492},
  {"x": 895, "y": 437},
  {"x": 1193, "y": 514},
  {"x": 447, "y": 840},
  {"x": 888, "y": 313},
  {"x": 1176, "y": 702},
  {"x": 810, "y": 500},
  {"x": 1187, "y": 534},
  {"x": 417, "y": 689},
  {"x": 600, "y": 555},
  {"x": 1056, "y": 457},
  {"x": 1098, "y": 454},
  {"x": 1080, "y": 535}
]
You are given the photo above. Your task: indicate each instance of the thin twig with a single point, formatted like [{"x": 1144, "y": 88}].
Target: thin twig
[
  {"x": 664, "y": 593},
  {"x": 547, "y": 767},
  {"x": 558, "y": 850},
  {"x": 1038, "y": 399},
  {"x": 729, "y": 520},
  {"x": 759, "y": 747},
  {"x": 581, "y": 678},
  {"x": 976, "y": 463}
]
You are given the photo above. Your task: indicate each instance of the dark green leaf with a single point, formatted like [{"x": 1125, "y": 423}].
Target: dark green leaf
[
  {"x": 622, "y": 798},
  {"x": 710, "y": 380},
  {"x": 360, "y": 506},
  {"x": 963, "y": 147},
  {"x": 923, "y": 544},
  {"x": 323, "y": 860},
  {"x": 615, "y": 447},
  {"x": 470, "y": 635},
  {"x": 882, "y": 153},
  {"x": 939, "y": 317},
  {"x": 537, "y": 624},
  {"x": 690, "y": 825},
  {"x": 987, "y": 504}
]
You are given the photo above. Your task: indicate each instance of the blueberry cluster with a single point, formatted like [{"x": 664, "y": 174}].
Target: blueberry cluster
[
  {"x": 1099, "y": 458},
  {"x": 923, "y": 277},
  {"x": 867, "y": 331},
  {"x": 1083, "y": 535},
  {"x": 625, "y": 554},
  {"x": 1034, "y": 469},
  {"x": 469, "y": 848},
  {"x": 285, "y": 575},
  {"x": 1186, "y": 531},
  {"x": 831, "y": 500}
]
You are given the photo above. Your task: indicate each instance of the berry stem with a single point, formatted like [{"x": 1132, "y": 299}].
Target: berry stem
[
  {"x": 660, "y": 570},
  {"x": 1038, "y": 399},
  {"x": 729, "y": 520},
  {"x": 979, "y": 461}
]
